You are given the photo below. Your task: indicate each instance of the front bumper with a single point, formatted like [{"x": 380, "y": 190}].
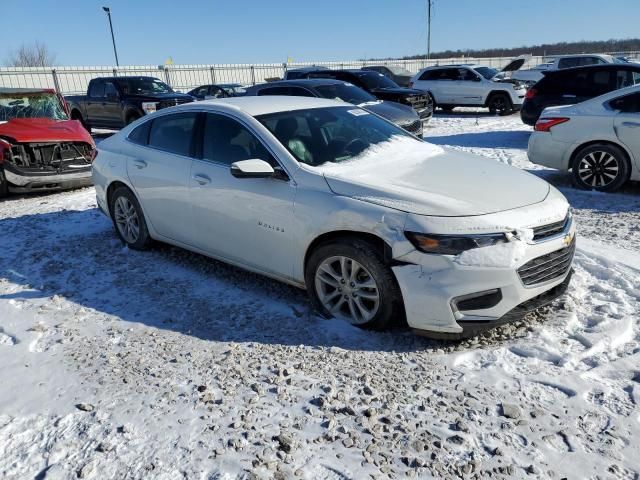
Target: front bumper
[
  {"x": 472, "y": 328},
  {"x": 432, "y": 284},
  {"x": 22, "y": 182}
]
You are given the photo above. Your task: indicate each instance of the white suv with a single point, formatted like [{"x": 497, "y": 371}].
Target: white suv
[{"x": 470, "y": 86}]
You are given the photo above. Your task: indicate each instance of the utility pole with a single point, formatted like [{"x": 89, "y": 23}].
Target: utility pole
[
  {"x": 113, "y": 39},
  {"x": 429, "y": 6}
]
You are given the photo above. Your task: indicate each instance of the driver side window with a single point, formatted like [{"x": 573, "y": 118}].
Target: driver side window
[{"x": 226, "y": 141}]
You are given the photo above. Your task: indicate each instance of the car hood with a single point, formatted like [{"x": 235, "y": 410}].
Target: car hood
[
  {"x": 516, "y": 63},
  {"x": 420, "y": 178},
  {"x": 392, "y": 111},
  {"x": 399, "y": 91},
  {"x": 163, "y": 96},
  {"x": 24, "y": 130}
]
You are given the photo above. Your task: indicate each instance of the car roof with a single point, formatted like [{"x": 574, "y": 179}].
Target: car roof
[
  {"x": 452, "y": 65},
  {"x": 263, "y": 105},
  {"x": 8, "y": 91},
  {"x": 586, "y": 68},
  {"x": 310, "y": 82},
  {"x": 576, "y": 55}
]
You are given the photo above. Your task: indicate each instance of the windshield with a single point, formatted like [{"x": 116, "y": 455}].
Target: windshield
[
  {"x": 31, "y": 105},
  {"x": 400, "y": 71},
  {"x": 143, "y": 86},
  {"x": 334, "y": 134},
  {"x": 376, "y": 80},
  {"x": 345, "y": 92},
  {"x": 487, "y": 72},
  {"x": 234, "y": 89}
]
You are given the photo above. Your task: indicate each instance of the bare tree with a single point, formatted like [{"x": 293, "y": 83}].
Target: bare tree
[{"x": 36, "y": 54}]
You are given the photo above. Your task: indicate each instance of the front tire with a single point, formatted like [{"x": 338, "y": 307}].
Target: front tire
[
  {"x": 348, "y": 279},
  {"x": 132, "y": 117},
  {"x": 600, "y": 167},
  {"x": 4, "y": 185},
  {"x": 500, "y": 103},
  {"x": 128, "y": 219}
]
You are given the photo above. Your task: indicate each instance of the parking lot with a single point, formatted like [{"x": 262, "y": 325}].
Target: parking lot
[{"x": 168, "y": 364}]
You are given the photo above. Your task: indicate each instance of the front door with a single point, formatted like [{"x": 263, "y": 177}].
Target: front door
[
  {"x": 469, "y": 87},
  {"x": 245, "y": 220},
  {"x": 160, "y": 173}
]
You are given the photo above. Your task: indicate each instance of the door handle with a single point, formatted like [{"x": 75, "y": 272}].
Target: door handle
[
  {"x": 569, "y": 96},
  {"x": 140, "y": 163},
  {"x": 201, "y": 179},
  {"x": 631, "y": 124}
]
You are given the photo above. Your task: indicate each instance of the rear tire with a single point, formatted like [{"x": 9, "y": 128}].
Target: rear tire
[
  {"x": 348, "y": 279},
  {"x": 601, "y": 167},
  {"x": 128, "y": 219},
  {"x": 132, "y": 117}
]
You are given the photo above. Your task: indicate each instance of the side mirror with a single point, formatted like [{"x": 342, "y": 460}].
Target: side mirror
[
  {"x": 477, "y": 79},
  {"x": 254, "y": 168}
]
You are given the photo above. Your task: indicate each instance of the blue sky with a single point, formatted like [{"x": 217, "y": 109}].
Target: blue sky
[{"x": 238, "y": 31}]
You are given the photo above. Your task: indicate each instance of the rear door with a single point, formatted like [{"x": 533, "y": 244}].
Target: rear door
[
  {"x": 111, "y": 109},
  {"x": 160, "y": 172},
  {"x": 627, "y": 123}
]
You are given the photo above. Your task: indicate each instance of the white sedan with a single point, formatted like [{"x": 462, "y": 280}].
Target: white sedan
[
  {"x": 376, "y": 224},
  {"x": 598, "y": 140}
]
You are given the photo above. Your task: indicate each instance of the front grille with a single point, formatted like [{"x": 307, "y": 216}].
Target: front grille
[
  {"x": 172, "y": 102},
  {"x": 419, "y": 102},
  {"x": 545, "y": 231},
  {"x": 547, "y": 267},
  {"x": 413, "y": 127}
]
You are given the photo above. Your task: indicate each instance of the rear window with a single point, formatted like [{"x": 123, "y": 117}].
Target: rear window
[
  {"x": 173, "y": 133},
  {"x": 140, "y": 134}
]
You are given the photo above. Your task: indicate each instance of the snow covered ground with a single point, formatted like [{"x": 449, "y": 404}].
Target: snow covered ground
[{"x": 165, "y": 364}]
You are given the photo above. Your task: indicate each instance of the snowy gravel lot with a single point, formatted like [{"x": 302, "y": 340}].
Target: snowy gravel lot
[{"x": 165, "y": 364}]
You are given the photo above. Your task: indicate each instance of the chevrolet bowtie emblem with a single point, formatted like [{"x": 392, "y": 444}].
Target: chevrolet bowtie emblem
[{"x": 566, "y": 241}]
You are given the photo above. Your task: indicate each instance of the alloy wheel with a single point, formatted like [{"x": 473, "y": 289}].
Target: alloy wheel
[
  {"x": 499, "y": 104},
  {"x": 598, "y": 169},
  {"x": 127, "y": 220},
  {"x": 347, "y": 289}
]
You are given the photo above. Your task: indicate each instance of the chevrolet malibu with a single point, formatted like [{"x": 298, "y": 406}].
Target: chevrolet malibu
[{"x": 378, "y": 226}]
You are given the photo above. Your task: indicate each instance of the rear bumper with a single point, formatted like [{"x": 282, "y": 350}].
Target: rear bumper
[
  {"x": 21, "y": 181},
  {"x": 545, "y": 150}
]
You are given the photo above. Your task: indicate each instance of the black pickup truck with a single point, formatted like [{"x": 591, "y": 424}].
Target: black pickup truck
[{"x": 113, "y": 102}]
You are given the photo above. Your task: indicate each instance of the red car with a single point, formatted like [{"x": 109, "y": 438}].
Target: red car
[{"x": 41, "y": 149}]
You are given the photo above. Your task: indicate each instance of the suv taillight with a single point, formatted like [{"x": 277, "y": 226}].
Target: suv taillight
[
  {"x": 546, "y": 124},
  {"x": 530, "y": 93}
]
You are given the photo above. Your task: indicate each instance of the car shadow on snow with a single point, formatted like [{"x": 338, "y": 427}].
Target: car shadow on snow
[
  {"x": 76, "y": 255},
  {"x": 503, "y": 139}
]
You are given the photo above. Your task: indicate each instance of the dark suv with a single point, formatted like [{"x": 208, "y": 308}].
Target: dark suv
[
  {"x": 382, "y": 88},
  {"x": 574, "y": 85},
  {"x": 402, "y": 115},
  {"x": 400, "y": 75}
]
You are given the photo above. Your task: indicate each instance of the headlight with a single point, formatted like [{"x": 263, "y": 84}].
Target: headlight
[{"x": 453, "y": 244}]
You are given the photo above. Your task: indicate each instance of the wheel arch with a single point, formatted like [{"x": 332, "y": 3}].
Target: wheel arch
[
  {"x": 382, "y": 246},
  {"x": 493, "y": 93}
]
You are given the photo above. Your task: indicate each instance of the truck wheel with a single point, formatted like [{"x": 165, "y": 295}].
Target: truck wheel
[
  {"x": 500, "y": 103},
  {"x": 4, "y": 185},
  {"x": 348, "y": 279},
  {"x": 76, "y": 115},
  {"x": 132, "y": 117},
  {"x": 600, "y": 167}
]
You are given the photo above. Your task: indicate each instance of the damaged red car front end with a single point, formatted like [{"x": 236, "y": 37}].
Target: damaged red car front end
[{"x": 40, "y": 148}]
